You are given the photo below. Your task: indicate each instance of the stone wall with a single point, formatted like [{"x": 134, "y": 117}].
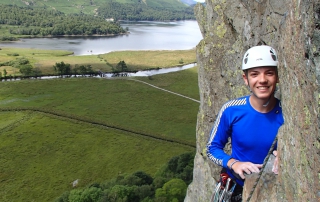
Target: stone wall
[{"x": 292, "y": 27}]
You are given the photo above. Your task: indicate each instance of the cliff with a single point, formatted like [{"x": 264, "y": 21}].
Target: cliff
[{"x": 292, "y": 27}]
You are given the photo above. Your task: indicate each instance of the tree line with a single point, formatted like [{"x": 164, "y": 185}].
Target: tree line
[
  {"x": 169, "y": 184},
  {"x": 65, "y": 69},
  {"x": 45, "y": 22},
  {"x": 138, "y": 12},
  {"x": 60, "y": 68}
]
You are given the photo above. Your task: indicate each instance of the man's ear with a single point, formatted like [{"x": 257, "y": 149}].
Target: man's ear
[
  {"x": 245, "y": 78},
  {"x": 277, "y": 74}
]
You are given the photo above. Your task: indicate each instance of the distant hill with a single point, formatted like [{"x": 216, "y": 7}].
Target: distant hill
[
  {"x": 189, "y": 2},
  {"x": 142, "y": 12},
  {"x": 91, "y": 6}
]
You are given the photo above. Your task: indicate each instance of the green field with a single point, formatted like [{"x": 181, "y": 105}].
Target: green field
[
  {"x": 65, "y": 136},
  {"x": 121, "y": 103},
  {"x": 135, "y": 60},
  {"x": 41, "y": 155}
]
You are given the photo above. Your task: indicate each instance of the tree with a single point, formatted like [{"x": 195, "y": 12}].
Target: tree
[
  {"x": 173, "y": 163},
  {"x": 5, "y": 73},
  {"x": 87, "y": 195},
  {"x": 174, "y": 190},
  {"x": 36, "y": 72},
  {"x": 120, "y": 193},
  {"x": 121, "y": 67},
  {"x": 62, "y": 68},
  {"x": 145, "y": 178},
  {"x": 143, "y": 191},
  {"x": 26, "y": 70},
  {"x": 181, "y": 167},
  {"x": 76, "y": 70},
  {"x": 89, "y": 69},
  {"x": 75, "y": 195},
  {"x": 64, "y": 197},
  {"x": 91, "y": 194},
  {"x": 82, "y": 69}
]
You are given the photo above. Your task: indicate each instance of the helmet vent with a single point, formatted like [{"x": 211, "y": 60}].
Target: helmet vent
[
  {"x": 246, "y": 59},
  {"x": 274, "y": 57}
]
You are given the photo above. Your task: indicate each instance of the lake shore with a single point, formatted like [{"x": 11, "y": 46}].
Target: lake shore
[{"x": 143, "y": 36}]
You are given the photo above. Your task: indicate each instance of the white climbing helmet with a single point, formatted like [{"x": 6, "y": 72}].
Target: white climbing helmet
[{"x": 259, "y": 56}]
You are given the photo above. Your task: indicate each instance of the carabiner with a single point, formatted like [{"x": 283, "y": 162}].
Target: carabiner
[
  {"x": 216, "y": 191},
  {"x": 225, "y": 190}
]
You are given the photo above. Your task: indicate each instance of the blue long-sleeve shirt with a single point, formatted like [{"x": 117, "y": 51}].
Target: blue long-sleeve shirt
[{"x": 252, "y": 133}]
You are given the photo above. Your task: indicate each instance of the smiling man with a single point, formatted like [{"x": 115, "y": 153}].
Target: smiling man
[{"x": 252, "y": 121}]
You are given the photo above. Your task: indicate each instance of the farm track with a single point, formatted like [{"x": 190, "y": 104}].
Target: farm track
[
  {"x": 16, "y": 123},
  {"x": 165, "y": 90}
]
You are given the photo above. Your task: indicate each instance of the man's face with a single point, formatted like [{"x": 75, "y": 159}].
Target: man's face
[{"x": 262, "y": 81}]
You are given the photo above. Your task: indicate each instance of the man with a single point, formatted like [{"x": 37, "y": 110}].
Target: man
[{"x": 252, "y": 121}]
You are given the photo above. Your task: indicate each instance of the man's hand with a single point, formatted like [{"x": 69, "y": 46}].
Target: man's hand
[
  {"x": 245, "y": 167},
  {"x": 276, "y": 163}
]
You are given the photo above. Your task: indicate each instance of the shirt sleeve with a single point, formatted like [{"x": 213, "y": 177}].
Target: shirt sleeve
[{"x": 219, "y": 135}]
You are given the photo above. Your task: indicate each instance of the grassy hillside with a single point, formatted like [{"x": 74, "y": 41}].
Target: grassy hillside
[
  {"x": 41, "y": 154},
  {"x": 90, "y": 6},
  {"x": 94, "y": 100},
  {"x": 69, "y": 132}
]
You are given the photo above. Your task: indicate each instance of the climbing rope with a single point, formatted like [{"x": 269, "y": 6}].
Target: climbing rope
[{"x": 263, "y": 166}]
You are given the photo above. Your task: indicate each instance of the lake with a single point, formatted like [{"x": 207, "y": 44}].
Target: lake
[{"x": 144, "y": 35}]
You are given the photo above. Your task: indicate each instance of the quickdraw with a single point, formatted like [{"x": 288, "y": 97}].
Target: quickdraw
[{"x": 224, "y": 189}]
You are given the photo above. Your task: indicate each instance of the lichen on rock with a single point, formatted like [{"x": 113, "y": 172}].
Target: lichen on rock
[{"x": 229, "y": 28}]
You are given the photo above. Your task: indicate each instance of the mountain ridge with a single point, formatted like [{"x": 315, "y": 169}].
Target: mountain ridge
[
  {"x": 91, "y": 6},
  {"x": 189, "y": 2}
]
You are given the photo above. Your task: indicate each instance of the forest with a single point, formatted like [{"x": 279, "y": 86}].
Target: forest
[
  {"x": 138, "y": 12},
  {"x": 169, "y": 184},
  {"x": 45, "y": 22}
]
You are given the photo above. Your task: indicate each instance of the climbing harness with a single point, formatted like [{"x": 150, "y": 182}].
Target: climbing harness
[{"x": 224, "y": 189}]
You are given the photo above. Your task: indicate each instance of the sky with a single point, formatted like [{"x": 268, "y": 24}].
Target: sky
[{"x": 200, "y": 0}]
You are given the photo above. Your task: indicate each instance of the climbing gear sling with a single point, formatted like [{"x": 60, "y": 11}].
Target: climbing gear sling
[{"x": 224, "y": 189}]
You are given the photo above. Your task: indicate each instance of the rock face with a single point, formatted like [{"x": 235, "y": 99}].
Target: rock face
[{"x": 292, "y": 27}]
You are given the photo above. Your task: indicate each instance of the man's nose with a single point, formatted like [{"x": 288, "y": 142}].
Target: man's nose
[{"x": 263, "y": 78}]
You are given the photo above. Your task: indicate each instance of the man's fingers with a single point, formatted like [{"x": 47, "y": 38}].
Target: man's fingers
[
  {"x": 247, "y": 168},
  {"x": 253, "y": 168},
  {"x": 259, "y": 165},
  {"x": 242, "y": 175},
  {"x": 275, "y": 166},
  {"x": 247, "y": 171},
  {"x": 256, "y": 168}
]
